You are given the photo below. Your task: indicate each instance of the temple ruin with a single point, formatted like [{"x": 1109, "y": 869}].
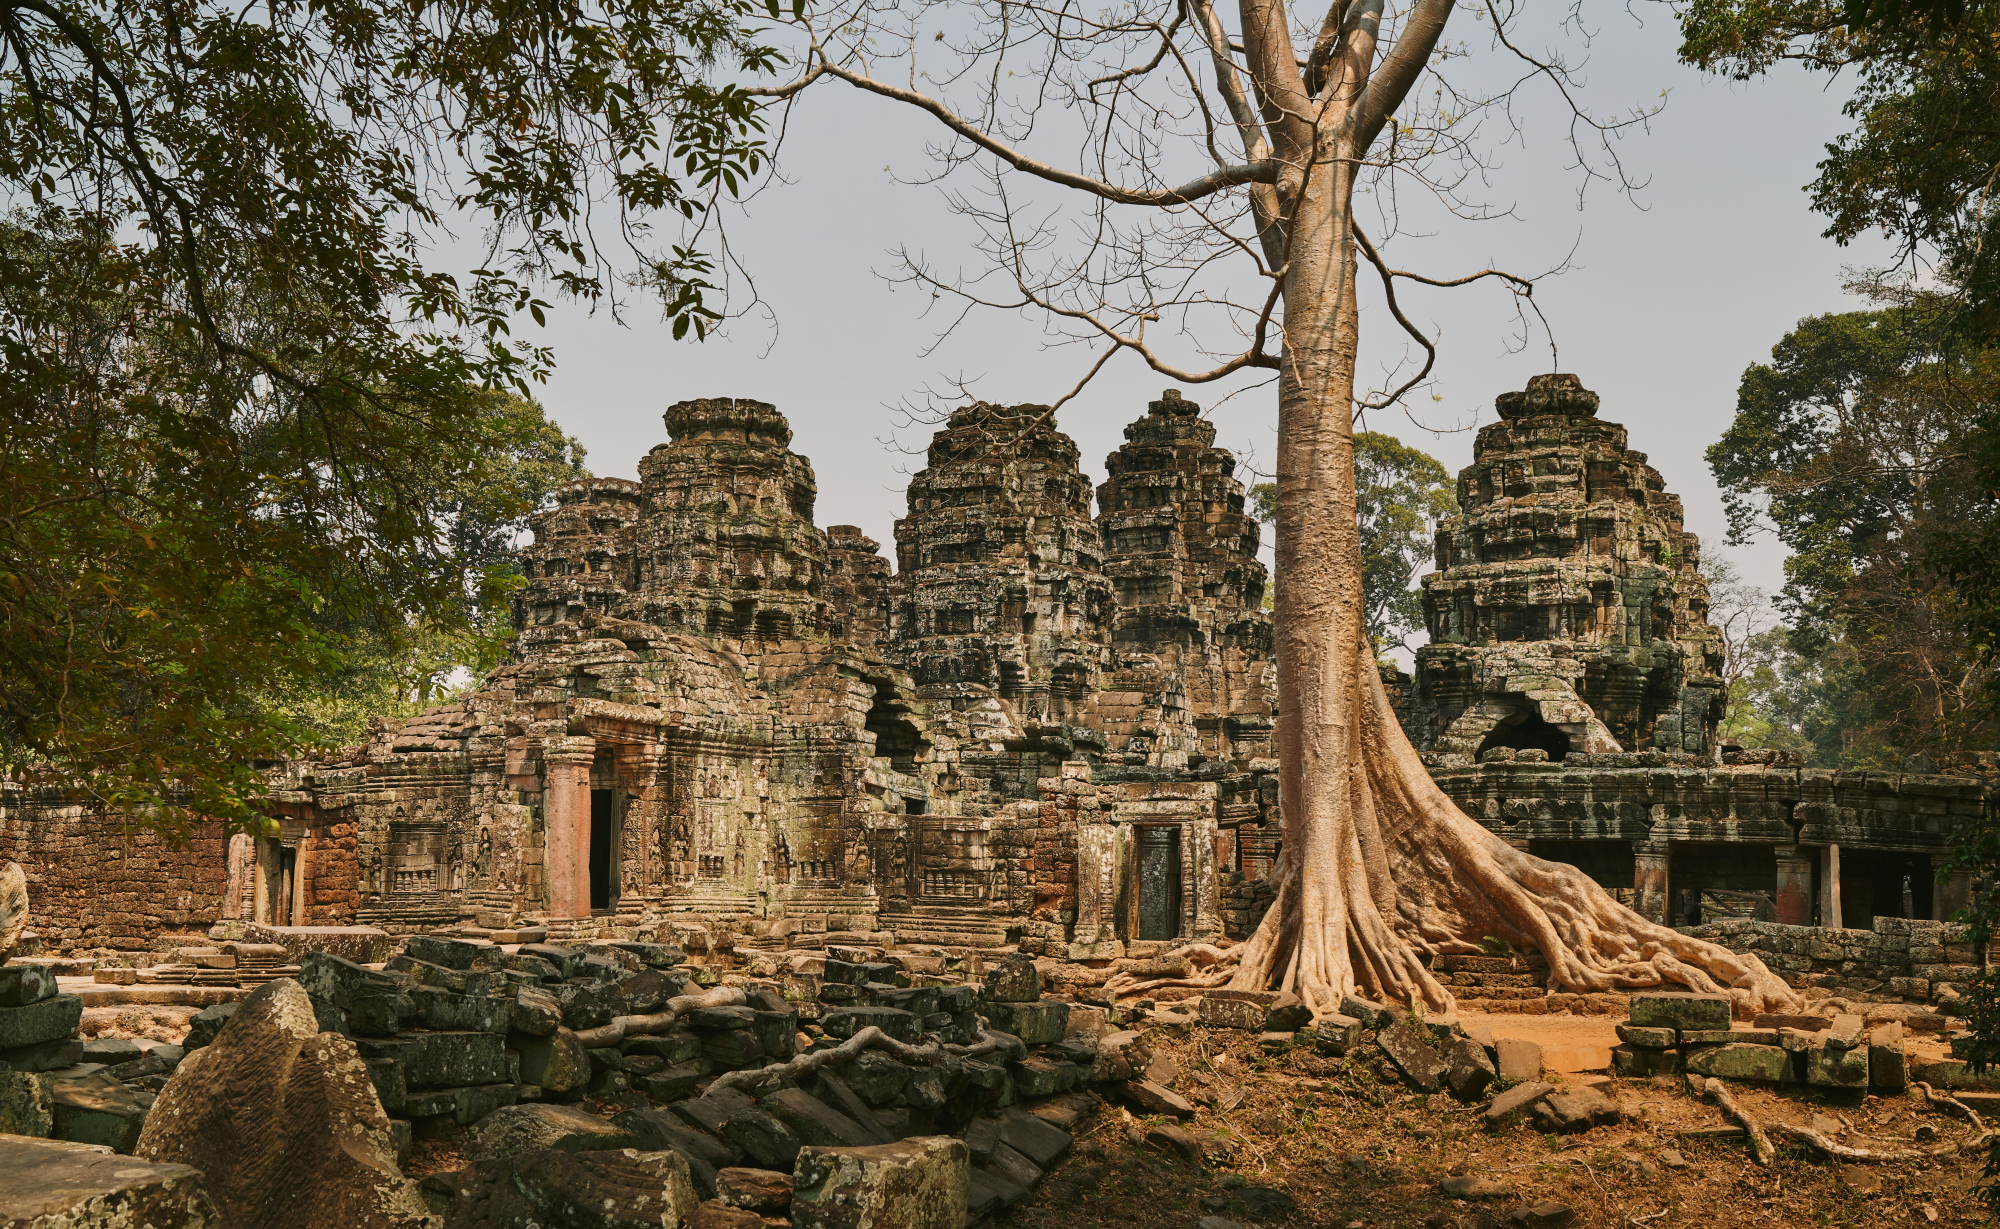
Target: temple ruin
[{"x": 1048, "y": 725}]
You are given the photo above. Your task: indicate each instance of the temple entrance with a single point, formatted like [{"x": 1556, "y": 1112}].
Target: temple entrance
[
  {"x": 1159, "y": 879},
  {"x": 284, "y": 890},
  {"x": 1526, "y": 731},
  {"x": 603, "y": 847}
]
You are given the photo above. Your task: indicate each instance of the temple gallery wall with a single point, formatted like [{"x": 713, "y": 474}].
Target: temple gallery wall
[{"x": 1048, "y": 723}]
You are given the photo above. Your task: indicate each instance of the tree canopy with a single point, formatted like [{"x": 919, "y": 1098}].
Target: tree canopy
[{"x": 241, "y": 398}]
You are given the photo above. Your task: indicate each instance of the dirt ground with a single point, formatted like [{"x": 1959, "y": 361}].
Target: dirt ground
[{"x": 1352, "y": 1152}]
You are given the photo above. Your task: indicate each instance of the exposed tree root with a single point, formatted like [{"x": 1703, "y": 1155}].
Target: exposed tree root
[
  {"x": 13, "y": 907},
  {"x": 870, "y": 1038},
  {"x": 680, "y": 1005},
  {"x": 1950, "y": 1104},
  {"x": 1760, "y": 1143},
  {"x": 1367, "y": 891}
]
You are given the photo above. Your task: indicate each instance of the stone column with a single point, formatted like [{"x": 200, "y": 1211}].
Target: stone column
[
  {"x": 269, "y": 873},
  {"x": 1096, "y": 894},
  {"x": 566, "y": 824},
  {"x": 1199, "y": 839},
  {"x": 1649, "y": 881},
  {"x": 1829, "y": 886},
  {"x": 1953, "y": 894},
  {"x": 1795, "y": 902}
]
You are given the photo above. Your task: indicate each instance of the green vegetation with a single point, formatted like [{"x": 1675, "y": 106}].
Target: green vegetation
[{"x": 244, "y": 449}]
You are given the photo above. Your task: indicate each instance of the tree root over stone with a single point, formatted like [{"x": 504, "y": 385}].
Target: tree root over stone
[
  {"x": 870, "y": 1038},
  {"x": 1379, "y": 871},
  {"x": 680, "y": 1005}
]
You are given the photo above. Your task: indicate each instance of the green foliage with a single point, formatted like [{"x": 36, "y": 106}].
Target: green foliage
[
  {"x": 242, "y": 449},
  {"x": 1400, "y": 494},
  {"x": 1853, "y": 447}
]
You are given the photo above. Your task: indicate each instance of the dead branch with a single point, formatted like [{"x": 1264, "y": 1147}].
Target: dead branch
[{"x": 1760, "y": 1143}]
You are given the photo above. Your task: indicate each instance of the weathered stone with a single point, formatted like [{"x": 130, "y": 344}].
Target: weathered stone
[
  {"x": 557, "y": 1063},
  {"x": 48, "y": 1056},
  {"x": 48, "y": 1019},
  {"x": 759, "y": 1190},
  {"x": 1178, "y": 1142},
  {"x": 672, "y": 1083},
  {"x": 1031, "y": 1137},
  {"x": 1371, "y": 1015},
  {"x": 1470, "y": 1071},
  {"x": 533, "y": 1128},
  {"x": 1239, "y": 1009},
  {"x": 1830, "y": 1067},
  {"x": 914, "y": 1184},
  {"x": 21, "y": 984},
  {"x": 603, "y": 1190},
  {"x": 282, "y": 1121},
  {"x": 1014, "y": 980},
  {"x": 1633, "y": 1063},
  {"x": 443, "y": 1059},
  {"x": 1511, "y": 1105},
  {"x": 816, "y": 1123},
  {"x": 536, "y": 1013},
  {"x": 91, "y": 1107},
  {"x": 1680, "y": 1011},
  {"x": 450, "y": 953},
  {"x": 1409, "y": 1048},
  {"x": 767, "y": 1142},
  {"x": 1474, "y": 1186},
  {"x": 374, "y": 1003},
  {"x": 46, "y": 1184},
  {"x": 442, "y": 1009},
  {"x": 1741, "y": 1062},
  {"x": 1122, "y": 1055},
  {"x": 1648, "y": 1038},
  {"x": 1572, "y": 1111},
  {"x": 27, "y": 1104},
  {"x": 1517, "y": 1059},
  {"x": 1887, "y": 1068},
  {"x": 844, "y": 1022},
  {"x": 704, "y": 1153},
  {"x": 1036, "y": 1023},
  {"x": 207, "y": 1023}
]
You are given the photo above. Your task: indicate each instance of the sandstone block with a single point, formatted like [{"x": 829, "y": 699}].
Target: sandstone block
[
  {"x": 604, "y": 1190},
  {"x": 760, "y": 1190},
  {"x": 50, "y": 1019},
  {"x": 46, "y": 1183},
  {"x": 1741, "y": 1061},
  {"x": 516, "y": 1129},
  {"x": 1510, "y": 1105},
  {"x": 1409, "y": 1048},
  {"x": 1517, "y": 1059},
  {"x": 1836, "y": 1068},
  {"x": 918, "y": 1183},
  {"x": 92, "y": 1107},
  {"x": 48, "y": 1056},
  {"x": 22, "y": 984},
  {"x": 1471, "y": 1071},
  {"x": 1573, "y": 1111},
  {"x": 1014, "y": 980},
  {"x": 283, "y": 1123},
  {"x": 1681, "y": 1011},
  {"x": 844, "y": 1022},
  {"x": 1038, "y": 1023},
  {"x": 558, "y": 1063},
  {"x": 27, "y": 1105}
]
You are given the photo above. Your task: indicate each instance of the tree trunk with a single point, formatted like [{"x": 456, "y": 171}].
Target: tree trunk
[{"x": 1379, "y": 869}]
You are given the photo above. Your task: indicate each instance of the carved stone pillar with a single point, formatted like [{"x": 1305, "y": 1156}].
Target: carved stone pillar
[
  {"x": 1795, "y": 895},
  {"x": 566, "y": 824},
  {"x": 1649, "y": 881},
  {"x": 1829, "y": 886}
]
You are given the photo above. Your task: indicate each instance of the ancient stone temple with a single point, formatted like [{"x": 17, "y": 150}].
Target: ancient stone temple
[
  {"x": 1570, "y": 695},
  {"x": 1569, "y": 612},
  {"x": 1049, "y": 725}
]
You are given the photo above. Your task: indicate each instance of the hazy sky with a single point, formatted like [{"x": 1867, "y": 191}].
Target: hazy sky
[{"x": 1671, "y": 292}]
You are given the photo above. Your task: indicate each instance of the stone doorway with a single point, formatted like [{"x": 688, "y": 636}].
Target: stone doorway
[
  {"x": 1158, "y": 852},
  {"x": 603, "y": 849}
]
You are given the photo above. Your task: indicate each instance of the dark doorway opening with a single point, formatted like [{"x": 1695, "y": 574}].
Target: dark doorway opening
[
  {"x": 288, "y": 871},
  {"x": 1159, "y": 882},
  {"x": 1527, "y": 731},
  {"x": 896, "y": 736},
  {"x": 1883, "y": 884},
  {"x": 603, "y": 820},
  {"x": 913, "y": 806}
]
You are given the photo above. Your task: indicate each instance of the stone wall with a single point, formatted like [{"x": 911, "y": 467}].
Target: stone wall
[{"x": 1897, "y": 957}]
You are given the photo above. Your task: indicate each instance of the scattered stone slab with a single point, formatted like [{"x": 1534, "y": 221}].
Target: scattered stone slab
[
  {"x": 1681, "y": 1012},
  {"x": 50, "y": 1183},
  {"x": 1033, "y": 1138},
  {"x": 1470, "y": 1070},
  {"x": 603, "y": 1190},
  {"x": 1474, "y": 1186},
  {"x": 1178, "y": 1142},
  {"x": 1573, "y": 1111},
  {"x": 1516, "y": 1059},
  {"x": 27, "y": 1104},
  {"x": 759, "y": 1190},
  {"x": 1409, "y": 1048},
  {"x": 515, "y": 1129},
  {"x": 282, "y": 1121},
  {"x": 90, "y": 1106},
  {"x": 921, "y": 1183},
  {"x": 815, "y": 1122},
  {"x": 50, "y": 1019},
  {"x": 1513, "y": 1103}
]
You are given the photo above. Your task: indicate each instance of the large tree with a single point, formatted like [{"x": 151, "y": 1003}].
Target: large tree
[
  {"x": 1205, "y": 147},
  {"x": 241, "y": 357}
]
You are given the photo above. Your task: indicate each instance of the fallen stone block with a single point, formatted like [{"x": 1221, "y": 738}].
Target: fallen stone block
[
  {"x": 921, "y": 1183},
  {"x": 1681, "y": 1011},
  {"x": 844, "y": 1022},
  {"x": 816, "y": 1123},
  {"x": 1510, "y": 1106},
  {"x": 604, "y": 1190},
  {"x": 1573, "y": 1111},
  {"x": 22, "y": 984},
  {"x": 27, "y": 1104},
  {"x": 1122, "y": 1055},
  {"x": 45, "y": 1184},
  {"x": 1474, "y": 1186},
  {"x": 1039, "y": 1023},
  {"x": 1765, "y": 1063},
  {"x": 1517, "y": 1059},
  {"x": 91, "y": 1107},
  {"x": 1409, "y": 1048},
  {"x": 1178, "y": 1142},
  {"x": 48, "y": 1056},
  {"x": 1888, "y": 1068},
  {"x": 515, "y": 1129},
  {"x": 50, "y": 1019},
  {"x": 1634, "y": 1063},
  {"x": 1014, "y": 979},
  {"x": 1832, "y": 1067},
  {"x": 767, "y": 1142},
  {"x": 207, "y": 1023},
  {"x": 1470, "y": 1070},
  {"x": 835, "y": 1093},
  {"x": 283, "y": 1123},
  {"x": 1031, "y": 1137},
  {"x": 1336, "y": 1035},
  {"x": 557, "y": 1063},
  {"x": 760, "y": 1190},
  {"x": 1648, "y": 1038}
]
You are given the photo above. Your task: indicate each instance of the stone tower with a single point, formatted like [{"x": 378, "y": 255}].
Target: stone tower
[
  {"x": 727, "y": 547},
  {"x": 1182, "y": 557},
  {"x": 582, "y": 555},
  {"x": 1567, "y": 614},
  {"x": 857, "y": 587},
  {"x": 1000, "y": 579}
]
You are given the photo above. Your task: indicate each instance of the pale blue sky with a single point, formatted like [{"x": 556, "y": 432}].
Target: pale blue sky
[{"x": 1670, "y": 294}]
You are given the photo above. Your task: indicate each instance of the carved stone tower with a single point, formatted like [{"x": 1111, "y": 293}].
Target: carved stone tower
[
  {"x": 857, "y": 587},
  {"x": 728, "y": 547},
  {"x": 1568, "y": 614},
  {"x": 581, "y": 558},
  {"x": 1001, "y": 575},
  {"x": 1182, "y": 556}
]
